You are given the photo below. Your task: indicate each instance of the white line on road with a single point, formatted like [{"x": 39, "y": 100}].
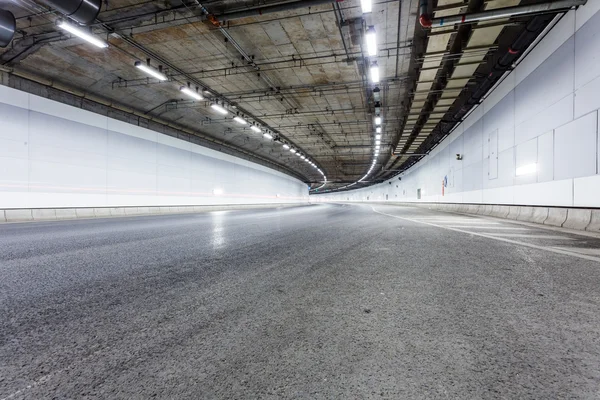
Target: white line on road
[
  {"x": 533, "y": 246},
  {"x": 485, "y": 227},
  {"x": 458, "y": 221},
  {"x": 529, "y": 236}
]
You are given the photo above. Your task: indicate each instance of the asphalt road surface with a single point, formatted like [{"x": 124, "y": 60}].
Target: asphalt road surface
[{"x": 314, "y": 302}]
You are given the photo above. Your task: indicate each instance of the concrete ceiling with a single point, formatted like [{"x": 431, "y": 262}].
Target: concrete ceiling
[{"x": 298, "y": 73}]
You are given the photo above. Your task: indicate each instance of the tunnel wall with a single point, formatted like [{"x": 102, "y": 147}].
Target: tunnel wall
[
  {"x": 55, "y": 155},
  {"x": 545, "y": 113}
]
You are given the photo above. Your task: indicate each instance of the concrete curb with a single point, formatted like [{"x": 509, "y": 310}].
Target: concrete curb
[
  {"x": 594, "y": 225},
  {"x": 513, "y": 212},
  {"x": 556, "y": 217},
  {"x": 18, "y": 215},
  {"x": 53, "y": 214},
  {"x": 578, "y": 219}
]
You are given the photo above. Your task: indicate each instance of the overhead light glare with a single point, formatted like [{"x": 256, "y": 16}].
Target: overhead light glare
[
  {"x": 240, "y": 120},
  {"x": 366, "y": 6},
  {"x": 374, "y": 73},
  {"x": 378, "y": 137},
  {"x": 255, "y": 128},
  {"x": 82, "y": 34},
  {"x": 378, "y": 129},
  {"x": 292, "y": 150},
  {"x": 371, "y": 41},
  {"x": 151, "y": 71},
  {"x": 268, "y": 135},
  {"x": 377, "y": 120},
  {"x": 527, "y": 169},
  {"x": 191, "y": 93},
  {"x": 218, "y": 108},
  {"x": 286, "y": 146}
]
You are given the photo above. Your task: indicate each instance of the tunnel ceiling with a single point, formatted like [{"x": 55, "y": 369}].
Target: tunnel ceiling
[{"x": 300, "y": 74}]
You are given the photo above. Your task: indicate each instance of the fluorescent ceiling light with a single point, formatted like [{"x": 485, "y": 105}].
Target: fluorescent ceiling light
[
  {"x": 378, "y": 129},
  {"x": 255, "y": 128},
  {"x": 377, "y": 143},
  {"x": 151, "y": 71},
  {"x": 302, "y": 157},
  {"x": 527, "y": 169},
  {"x": 371, "y": 41},
  {"x": 292, "y": 150},
  {"x": 374, "y": 73},
  {"x": 218, "y": 108},
  {"x": 378, "y": 137},
  {"x": 268, "y": 135},
  {"x": 366, "y": 6},
  {"x": 191, "y": 93},
  {"x": 286, "y": 146},
  {"x": 82, "y": 34},
  {"x": 240, "y": 121},
  {"x": 377, "y": 120}
]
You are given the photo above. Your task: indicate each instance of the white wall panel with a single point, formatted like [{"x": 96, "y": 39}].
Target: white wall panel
[
  {"x": 586, "y": 191},
  {"x": 14, "y": 174},
  {"x": 549, "y": 83},
  {"x": 54, "y": 108},
  {"x": 557, "y": 114},
  {"x": 545, "y": 161},
  {"x": 526, "y": 155},
  {"x": 586, "y": 98},
  {"x": 575, "y": 148},
  {"x": 587, "y": 56},
  {"x": 55, "y": 155}
]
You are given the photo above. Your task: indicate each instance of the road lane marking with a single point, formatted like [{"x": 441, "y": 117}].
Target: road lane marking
[
  {"x": 533, "y": 246},
  {"x": 529, "y": 236},
  {"x": 487, "y": 227},
  {"x": 457, "y": 221}
]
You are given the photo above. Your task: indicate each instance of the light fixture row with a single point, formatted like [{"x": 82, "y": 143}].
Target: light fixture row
[{"x": 187, "y": 90}]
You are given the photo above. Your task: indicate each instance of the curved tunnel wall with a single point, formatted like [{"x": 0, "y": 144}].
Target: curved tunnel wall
[
  {"x": 55, "y": 155},
  {"x": 545, "y": 113}
]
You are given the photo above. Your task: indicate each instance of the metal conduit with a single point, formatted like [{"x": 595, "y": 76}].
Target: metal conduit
[
  {"x": 507, "y": 12},
  {"x": 229, "y": 16}
]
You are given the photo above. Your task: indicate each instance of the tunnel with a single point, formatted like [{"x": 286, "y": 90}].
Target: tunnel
[{"x": 351, "y": 199}]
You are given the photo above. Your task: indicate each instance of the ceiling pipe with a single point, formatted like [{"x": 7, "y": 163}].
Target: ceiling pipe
[
  {"x": 229, "y": 16},
  {"x": 7, "y": 27},
  {"x": 424, "y": 18},
  {"x": 82, "y": 11},
  {"x": 507, "y": 12}
]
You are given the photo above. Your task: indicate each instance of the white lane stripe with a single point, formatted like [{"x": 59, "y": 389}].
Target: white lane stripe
[
  {"x": 458, "y": 221},
  {"x": 580, "y": 250},
  {"x": 528, "y": 236},
  {"x": 533, "y": 246},
  {"x": 485, "y": 227}
]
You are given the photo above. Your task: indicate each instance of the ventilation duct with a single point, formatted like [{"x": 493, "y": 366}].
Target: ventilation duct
[
  {"x": 82, "y": 11},
  {"x": 7, "y": 27}
]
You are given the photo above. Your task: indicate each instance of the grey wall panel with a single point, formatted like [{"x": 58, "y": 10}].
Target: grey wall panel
[
  {"x": 550, "y": 82},
  {"x": 575, "y": 147},
  {"x": 545, "y": 161},
  {"x": 587, "y": 54}
]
